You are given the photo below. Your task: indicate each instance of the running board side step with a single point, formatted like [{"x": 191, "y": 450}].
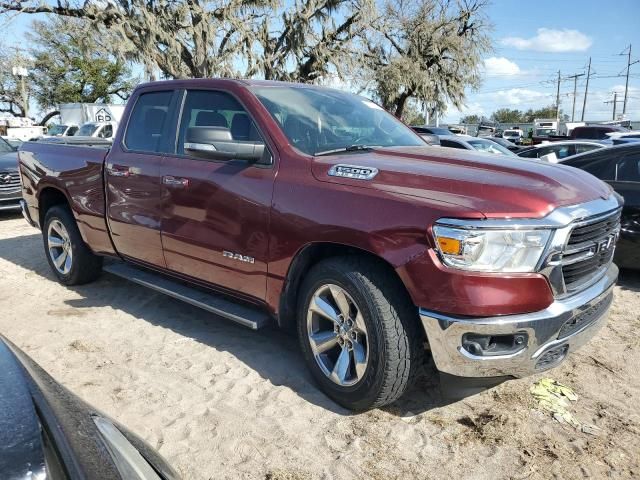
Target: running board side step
[{"x": 253, "y": 318}]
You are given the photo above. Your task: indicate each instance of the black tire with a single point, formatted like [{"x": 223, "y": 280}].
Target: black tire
[
  {"x": 394, "y": 341},
  {"x": 85, "y": 265}
]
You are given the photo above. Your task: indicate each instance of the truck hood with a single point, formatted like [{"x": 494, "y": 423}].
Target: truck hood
[{"x": 495, "y": 185}]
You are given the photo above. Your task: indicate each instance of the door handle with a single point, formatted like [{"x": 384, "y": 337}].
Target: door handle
[
  {"x": 118, "y": 171},
  {"x": 172, "y": 181}
]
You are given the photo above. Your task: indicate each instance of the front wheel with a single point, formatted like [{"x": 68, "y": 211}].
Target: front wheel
[
  {"x": 68, "y": 256},
  {"x": 358, "y": 332}
]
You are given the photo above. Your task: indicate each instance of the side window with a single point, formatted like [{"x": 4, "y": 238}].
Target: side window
[
  {"x": 581, "y": 148},
  {"x": 561, "y": 151},
  {"x": 544, "y": 151},
  {"x": 603, "y": 168},
  {"x": 629, "y": 169},
  {"x": 107, "y": 131},
  {"x": 149, "y": 122},
  {"x": 451, "y": 144},
  {"x": 529, "y": 153},
  {"x": 208, "y": 108},
  {"x": 72, "y": 131}
]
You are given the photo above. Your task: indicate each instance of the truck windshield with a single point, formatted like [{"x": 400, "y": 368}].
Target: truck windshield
[
  {"x": 57, "y": 129},
  {"x": 321, "y": 120},
  {"x": 87, "y": 130}
]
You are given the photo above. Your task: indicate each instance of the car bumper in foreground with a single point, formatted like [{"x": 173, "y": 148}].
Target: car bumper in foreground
[{"x": 518, "y": 345}]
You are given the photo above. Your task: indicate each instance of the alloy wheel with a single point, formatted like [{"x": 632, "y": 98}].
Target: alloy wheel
[
  {"x": 59, "y": 246},
  {"x": 337, "y": 335}
]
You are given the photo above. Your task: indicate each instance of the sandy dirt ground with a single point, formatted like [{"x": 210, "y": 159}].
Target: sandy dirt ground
[{"x": 220, "y": 401}]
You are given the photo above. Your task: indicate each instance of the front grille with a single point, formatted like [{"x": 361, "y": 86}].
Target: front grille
[
  {"x": 9, "y": 182},
  {"x": 589, "y": 250},
  {"x": 593, "y": 231}
]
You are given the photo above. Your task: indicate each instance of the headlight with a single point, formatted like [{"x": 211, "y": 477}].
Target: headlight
[{"x": 503, "y": 250}]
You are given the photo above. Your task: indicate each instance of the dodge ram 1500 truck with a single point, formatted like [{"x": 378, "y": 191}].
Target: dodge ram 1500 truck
[{"x": 318, "y": 210}]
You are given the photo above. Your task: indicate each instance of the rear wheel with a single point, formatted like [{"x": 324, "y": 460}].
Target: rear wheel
[
  {"x": 358, "y": 332},
  {"x": 68, "y": 256}
]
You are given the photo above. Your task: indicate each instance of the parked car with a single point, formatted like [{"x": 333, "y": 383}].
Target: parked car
[
  {"x": 513, "y": 135},
  {"x": 10, "y": 193},
  {"x": 465, "y": 142},
  {"x": 315, "y": 208},
  {"x": 97, "y": 130},
  {"x": 62, "y": 130},
  {"x": 46, "y": 432},
  {"x": 512, "y": 147},
  {"x": 595, "y": 132},
  {"x": 619, "y": 166},
  {"x": 560, "y": 150}
]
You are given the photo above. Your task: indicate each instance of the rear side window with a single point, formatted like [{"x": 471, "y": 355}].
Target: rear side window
[
  {"x": 562, "y": 151},
  {"x": 602, "y": 167},
  {"x": 533, "y": 153},
  {"x": 451, "y": 144},
  {"x": 629, "y": 169},
  {"x": 149, "y": 122},
  {"x": 582, "y": 148}
]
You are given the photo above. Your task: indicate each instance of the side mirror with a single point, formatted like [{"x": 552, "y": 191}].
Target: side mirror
[{"x": 217, "y": 143}]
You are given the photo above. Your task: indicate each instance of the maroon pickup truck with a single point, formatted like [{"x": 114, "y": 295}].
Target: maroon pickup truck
[{"x": 317, "y": 210}]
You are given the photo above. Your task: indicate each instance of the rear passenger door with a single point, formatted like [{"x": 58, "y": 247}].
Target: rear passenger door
[
  {"x": 133, "y": 180},
  {"x": 216, "y": 212}
]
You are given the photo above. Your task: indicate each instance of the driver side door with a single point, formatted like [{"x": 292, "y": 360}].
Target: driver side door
[{"x": 215, "y": 220}]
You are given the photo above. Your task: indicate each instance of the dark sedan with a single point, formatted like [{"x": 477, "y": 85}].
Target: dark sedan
[
  {"x": 10, "y": 194},
  {"x": 619, "y": 166},
  {"x": 46, "y": 432}
]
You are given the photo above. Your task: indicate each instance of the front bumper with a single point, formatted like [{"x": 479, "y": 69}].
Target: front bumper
[
  {"x": 10, "y": 203},
  {"x": 550, "y": 334}
]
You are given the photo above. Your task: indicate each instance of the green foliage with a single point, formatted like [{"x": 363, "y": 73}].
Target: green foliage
[
  {"x": 72, "y": 64},
  {"x": 470, "y": 119},
  {"x": 427, "y": 49},
  {"x": 507, "y": 115}
]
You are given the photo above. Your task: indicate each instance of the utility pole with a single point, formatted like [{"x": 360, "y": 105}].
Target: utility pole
[
  {"x": 575, "y": 86},
  {"x": 586, "y": 90},
  {"x": 615, "y": 102},
  {"x": 558, "y": 101},
  {"x": 626, "y": 86}
]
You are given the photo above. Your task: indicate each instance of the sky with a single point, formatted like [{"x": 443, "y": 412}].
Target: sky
[{"x": 532, "y": 40}]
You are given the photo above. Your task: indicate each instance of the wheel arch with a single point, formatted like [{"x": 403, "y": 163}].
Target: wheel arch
[
  {"x": 50, "y": 196},
  {"x": 305, "y": 259}
]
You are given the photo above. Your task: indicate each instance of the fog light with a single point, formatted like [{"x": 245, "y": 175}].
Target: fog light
[
  {"x": 552, "y": 357},
  {"x": 492, "y": 345}
]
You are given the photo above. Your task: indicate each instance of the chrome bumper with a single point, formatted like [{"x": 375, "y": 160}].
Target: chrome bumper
[{"x": 542, "y": 329}]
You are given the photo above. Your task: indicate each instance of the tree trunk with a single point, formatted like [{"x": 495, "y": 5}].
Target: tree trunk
[{"x": 401, "y": 102}]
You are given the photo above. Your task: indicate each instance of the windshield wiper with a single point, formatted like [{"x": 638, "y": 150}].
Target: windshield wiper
[{"x": 350, "y": 148}]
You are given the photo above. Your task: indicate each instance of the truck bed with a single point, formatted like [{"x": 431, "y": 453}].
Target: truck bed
[{"x": 77, "y": 168}]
